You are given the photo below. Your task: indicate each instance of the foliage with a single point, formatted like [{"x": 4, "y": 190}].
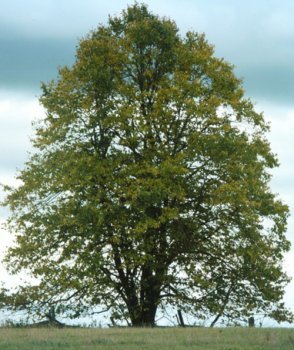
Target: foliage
[{"x": 149, "y": 185}]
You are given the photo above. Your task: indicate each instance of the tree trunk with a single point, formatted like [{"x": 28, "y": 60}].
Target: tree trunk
[
  {"x": 143, "y": 312},
  {"x": 215, "y": 320},
  {"x": 145, "y": 318},
  {"x": 180, "y": 318}
]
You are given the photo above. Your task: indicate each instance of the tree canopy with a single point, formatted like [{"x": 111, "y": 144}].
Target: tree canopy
[{"x": 149, "y": 184}]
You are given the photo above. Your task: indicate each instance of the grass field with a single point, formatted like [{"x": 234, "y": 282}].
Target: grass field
[{"x": 147, "y": 339}]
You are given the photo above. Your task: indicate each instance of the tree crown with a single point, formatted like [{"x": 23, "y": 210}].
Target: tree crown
[{"x": 150, "y": 185}]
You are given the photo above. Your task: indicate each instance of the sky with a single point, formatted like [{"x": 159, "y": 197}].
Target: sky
[{"x": 37, "y": 37}]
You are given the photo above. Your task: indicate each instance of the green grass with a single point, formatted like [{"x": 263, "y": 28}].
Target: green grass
[{"x": 147, "y": 339}]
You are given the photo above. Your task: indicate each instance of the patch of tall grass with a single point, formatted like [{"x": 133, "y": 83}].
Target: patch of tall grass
[{"x": 145, "y": 339}]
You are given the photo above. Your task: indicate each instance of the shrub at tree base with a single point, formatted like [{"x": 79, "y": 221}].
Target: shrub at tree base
[{"x": 149, "y": 184}]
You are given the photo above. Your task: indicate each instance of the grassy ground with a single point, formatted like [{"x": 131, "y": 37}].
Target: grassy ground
[{"x": 147, "y": 339}]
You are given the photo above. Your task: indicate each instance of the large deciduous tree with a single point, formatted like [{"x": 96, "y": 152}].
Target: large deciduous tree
[{"x": 149, "y": 184}]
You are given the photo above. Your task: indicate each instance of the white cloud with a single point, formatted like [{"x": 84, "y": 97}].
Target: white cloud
[{"x": 16, "y": 115}]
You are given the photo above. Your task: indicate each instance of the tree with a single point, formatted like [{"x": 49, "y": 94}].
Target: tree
[{"x": 149, "y": 184}]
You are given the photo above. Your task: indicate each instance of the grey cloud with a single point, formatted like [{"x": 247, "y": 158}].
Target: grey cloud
[
  {"x": 256, "y": 37},
  {"x": 25, "y": 62},
  {"x": 274, "y": 84}
]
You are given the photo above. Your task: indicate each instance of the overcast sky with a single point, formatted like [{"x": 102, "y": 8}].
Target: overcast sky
[{"x": 256, "y": 36}]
